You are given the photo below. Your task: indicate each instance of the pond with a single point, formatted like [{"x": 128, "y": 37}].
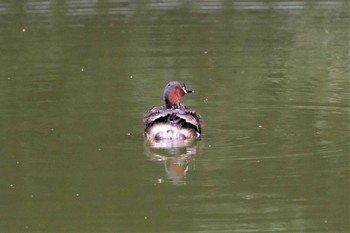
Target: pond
[{"x": 270, "y": 79}]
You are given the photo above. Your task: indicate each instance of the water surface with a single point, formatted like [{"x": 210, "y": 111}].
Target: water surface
[{"x": 270, "y": 78}]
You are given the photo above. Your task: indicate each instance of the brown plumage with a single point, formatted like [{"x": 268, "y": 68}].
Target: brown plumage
[{"x": 173, "y": 121}]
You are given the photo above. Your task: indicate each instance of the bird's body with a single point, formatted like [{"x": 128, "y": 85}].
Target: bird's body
[{"x": 173, "y": 120}]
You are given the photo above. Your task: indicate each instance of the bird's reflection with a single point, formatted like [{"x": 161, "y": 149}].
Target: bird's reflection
[{"x": 178, "y": 157}]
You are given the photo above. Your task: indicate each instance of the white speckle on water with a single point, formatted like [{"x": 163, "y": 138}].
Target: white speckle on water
[
  {"x": 130, "y": 76},
  {"x": 129, "y": 134},
  {"x": 145, "y": 217},
  {"x": 205, "y": 52},
  {"x": 206, "y": 99},
  {"x": 9, "y": 78},
  {"x": 77, "y": 195},
  {"x": 82, "y": 69},
  {"x": 11, "y": 185},
  {"x": 259, "y": 126},
  {"x": 160, "y": 180},
  {"x": 248, "y": 196},
  {"x": 23, "y": 30}
]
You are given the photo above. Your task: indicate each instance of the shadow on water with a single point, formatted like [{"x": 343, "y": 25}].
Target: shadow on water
[{"x": 178, "y": 157}]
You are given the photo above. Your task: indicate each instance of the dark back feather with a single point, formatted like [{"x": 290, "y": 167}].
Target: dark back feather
[{"x": 181, "y": 116}]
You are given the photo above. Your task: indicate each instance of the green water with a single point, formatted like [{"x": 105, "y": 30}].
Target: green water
[{"x": 270, "y": 78}]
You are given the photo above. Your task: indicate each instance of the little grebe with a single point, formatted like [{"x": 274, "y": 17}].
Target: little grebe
[{"x": 173, "y": 121}]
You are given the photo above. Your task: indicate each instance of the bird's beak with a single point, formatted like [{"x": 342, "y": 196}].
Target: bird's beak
[{"x": 187, "y": 90}]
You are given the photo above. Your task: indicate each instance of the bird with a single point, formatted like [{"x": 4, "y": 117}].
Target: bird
[{"x": 173, "y": 121}]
